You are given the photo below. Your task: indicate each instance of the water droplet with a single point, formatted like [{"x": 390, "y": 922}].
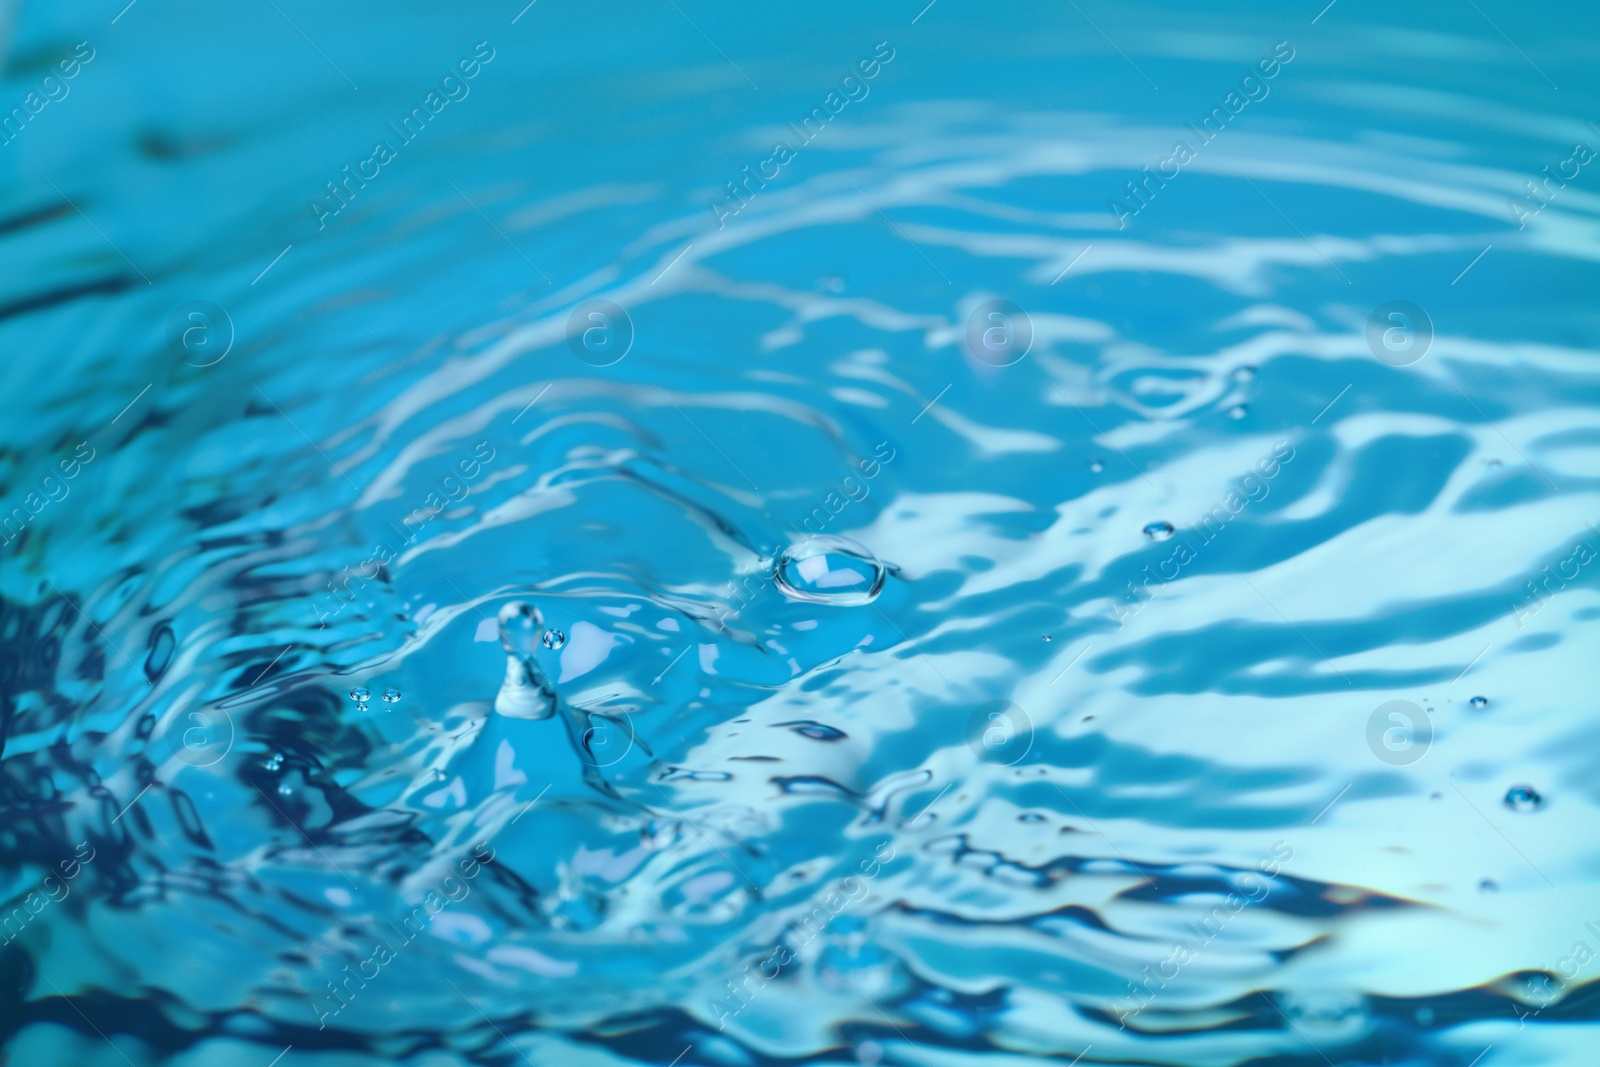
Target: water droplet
[
  {"x": 830, "y": 570},
  {"x": 1158, "y": 531},
  {"x": 1488, "y": 885},
  {"x": 1244, "y": 374},
  {"x": 284, "y": 791},
  {"x": 520, "y": 626},
  {"x": 274, "y": 762},
  {"x": 1030, "y": 816},
  {"x": 1523, "y": 798},
  {"x": 390, "y": 696},
  {"x": 1096, "y": 466},
  {"x": 361, "y": 694},
  {"x": 554, "y": 639},
  {"x": 1238, "y": 411},
  {"x": 1479, "y": 702},
  {"x": 1048, "y": 638}
]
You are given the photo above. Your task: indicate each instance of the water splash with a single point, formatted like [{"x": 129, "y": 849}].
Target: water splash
[{"x": 524, "y": 693}]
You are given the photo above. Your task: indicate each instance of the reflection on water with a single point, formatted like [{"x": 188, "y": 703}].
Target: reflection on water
[{"x": 991, "y": 595}]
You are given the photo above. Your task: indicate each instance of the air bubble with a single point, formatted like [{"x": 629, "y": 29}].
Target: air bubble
[
  {"x": 1523, "y": 798},
  {"x": 554, "y": 639},
  {"x": 830, "y": 570},
  {"x": 1159, "y": 531},
  {"x": 1479, "y": 702}
]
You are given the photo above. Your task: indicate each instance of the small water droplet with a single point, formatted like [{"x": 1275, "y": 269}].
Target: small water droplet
[
  {"x": 1238, "y": 411},
  {"x": 284, "y": 791},
  {"x": 554, "y": 639},
  {"x": 390, "y": 696},
  {"x": 1523, "y": 798},
  {"x": 1158, "y": 531},
  {"x": 830, "y": 570},
  {"x": 1048, "y": 638},
  {"x": 1244, "y": 374},
  {"x": 1030, "y": 816},
  {"x": 520, "y": 627},
  {"x": 1479, "y": 702},
  {"x": 1096, "y": 466},
  {"x": 1488, "y": 885},
  {"x": 274, "y": 763},
  {"x": 361, "y": 694}
]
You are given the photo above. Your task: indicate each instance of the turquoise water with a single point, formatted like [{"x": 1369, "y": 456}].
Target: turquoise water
[{"x": 676, "y": 532}]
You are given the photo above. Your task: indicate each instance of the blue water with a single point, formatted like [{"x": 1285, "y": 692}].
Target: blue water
[{"x": 861, "y": 534}]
